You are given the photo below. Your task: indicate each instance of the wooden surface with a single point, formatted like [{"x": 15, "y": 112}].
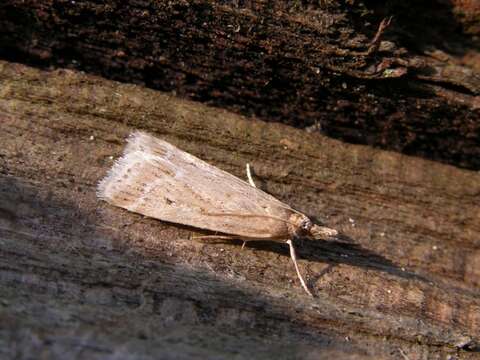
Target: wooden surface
[
  {"x": 309, "y": 64},
  {"x": 81, "y": 279}
]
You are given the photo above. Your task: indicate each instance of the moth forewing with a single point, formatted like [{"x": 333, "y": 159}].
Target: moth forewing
[{"x": 156, "y": 179}]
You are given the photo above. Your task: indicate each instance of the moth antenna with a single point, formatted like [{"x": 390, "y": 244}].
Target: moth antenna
[
  {"x": 249, "y": 176},
  {"x": 251, "y": 182},
  {"x": 292, "y": 209},
  {"x": 252, "y": 215},
  {"x": 220, "y": 237},
  {"x": 294, "y": 259}
]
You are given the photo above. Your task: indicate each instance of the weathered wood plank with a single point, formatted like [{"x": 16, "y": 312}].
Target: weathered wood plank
[
  {"x": 81, "y": 277},
  {"x": 305, "y": 63}
]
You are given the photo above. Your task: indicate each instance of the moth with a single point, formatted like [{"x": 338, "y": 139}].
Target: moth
[{"x": 158, "y": 180}]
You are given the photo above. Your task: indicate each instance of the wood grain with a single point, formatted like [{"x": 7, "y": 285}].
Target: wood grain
[
  {"x": 318, "y": 65},
  {"x": 79, "y": 277}
]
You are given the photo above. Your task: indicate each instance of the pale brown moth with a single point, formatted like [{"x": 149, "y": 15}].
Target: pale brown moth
[{"x": 158, "y": 180}]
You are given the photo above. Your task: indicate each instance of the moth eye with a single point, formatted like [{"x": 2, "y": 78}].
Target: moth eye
[{"x": 306, "y": 225}]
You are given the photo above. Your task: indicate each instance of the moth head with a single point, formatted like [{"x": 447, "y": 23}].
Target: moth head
[{"x": 303, "y": 226}]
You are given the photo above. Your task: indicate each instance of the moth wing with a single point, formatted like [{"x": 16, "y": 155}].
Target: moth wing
[{"x": 156, "y": 179}]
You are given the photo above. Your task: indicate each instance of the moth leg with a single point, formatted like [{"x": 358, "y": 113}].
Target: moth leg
[
  {"x": 243, "y": 245},
  {"x": 293, "y": 255},
  {"x": 249, "y": 176}
]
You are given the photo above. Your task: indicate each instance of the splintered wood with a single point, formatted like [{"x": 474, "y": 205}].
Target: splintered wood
[{"x": 158, "y": 180}]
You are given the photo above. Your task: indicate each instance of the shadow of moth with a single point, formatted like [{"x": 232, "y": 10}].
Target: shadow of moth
[{"x": 158, "y": 180}]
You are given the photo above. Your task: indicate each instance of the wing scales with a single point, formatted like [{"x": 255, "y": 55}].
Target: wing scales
[{"x": 156, "y": 179}]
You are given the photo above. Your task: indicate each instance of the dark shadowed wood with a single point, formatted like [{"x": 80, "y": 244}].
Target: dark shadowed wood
[
  {"x": 82, "y": 279},
  {"x": 319, "y": 65}
]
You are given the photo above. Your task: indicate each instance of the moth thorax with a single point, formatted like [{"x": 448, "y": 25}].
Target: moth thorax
[{"x": 299, "y": 225}]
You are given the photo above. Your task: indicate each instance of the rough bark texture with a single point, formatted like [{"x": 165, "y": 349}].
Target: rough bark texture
[
  {"x": 311, "y": 64},
  {"x": 81, "y": 279}
]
